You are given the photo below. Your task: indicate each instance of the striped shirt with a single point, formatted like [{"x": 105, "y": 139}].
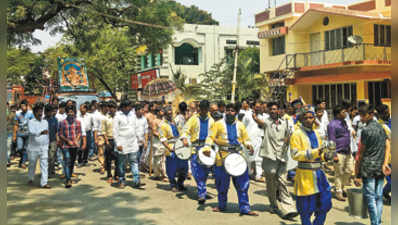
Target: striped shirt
[{"x": 70, "y": 131}]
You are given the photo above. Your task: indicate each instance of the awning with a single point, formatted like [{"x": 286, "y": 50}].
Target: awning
[{"x": 344, "y": 77}]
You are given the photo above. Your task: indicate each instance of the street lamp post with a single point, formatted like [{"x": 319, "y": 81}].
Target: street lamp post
[{"x": 236, "y": 59}]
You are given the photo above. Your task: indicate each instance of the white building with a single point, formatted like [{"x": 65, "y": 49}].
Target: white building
[{"x": 196, "y": 48}]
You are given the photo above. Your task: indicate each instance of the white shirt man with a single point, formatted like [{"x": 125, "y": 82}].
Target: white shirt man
[
  {"x": 38, "y": 148},
  {"x": 256, "y": 134},
  {"x": 125, "y": 132},
  {"x": 87, "y": 121}
]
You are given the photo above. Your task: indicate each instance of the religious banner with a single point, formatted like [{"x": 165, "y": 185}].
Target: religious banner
[{"x": 72, "y": 74}]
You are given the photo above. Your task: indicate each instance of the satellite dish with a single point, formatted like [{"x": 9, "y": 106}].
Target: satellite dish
[{"x": 355, "y": 39}]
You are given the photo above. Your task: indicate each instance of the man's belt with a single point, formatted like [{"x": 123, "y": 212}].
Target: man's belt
[
  {"x": 198, "y": 143},
  {"x": 230, "y": 148},
  {"x": 309, "y": 165}
]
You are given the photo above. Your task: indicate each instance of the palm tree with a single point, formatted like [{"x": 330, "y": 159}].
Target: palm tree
[{"x": 188, "y": 91}]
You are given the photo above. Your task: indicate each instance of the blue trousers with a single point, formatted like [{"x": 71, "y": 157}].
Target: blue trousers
[
  {"x": 319, "y": 203},
  {"x": 22, "y": 144},
  {"x": 241, "y": 184},
  {"x": 176, "y": 167},
  {"x": 132, "y": 159},
  {"x": 372, "y": 190},
  {"x": 200, "y": 174},
  {"x": 69, "y": 161}
]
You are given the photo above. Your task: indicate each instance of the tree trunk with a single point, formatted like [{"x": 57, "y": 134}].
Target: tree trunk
[{"x": 99, "y": 77}]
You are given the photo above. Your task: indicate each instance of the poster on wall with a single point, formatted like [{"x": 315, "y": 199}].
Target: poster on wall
[
  {"x": 72, "y": 74},
  {"x": 139, "y": 80}
]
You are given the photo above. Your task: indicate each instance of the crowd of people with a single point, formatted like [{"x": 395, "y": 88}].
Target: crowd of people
[{"x": 264, "y": 141}]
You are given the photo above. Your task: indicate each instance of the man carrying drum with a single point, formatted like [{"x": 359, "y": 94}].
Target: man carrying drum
[
  {"x": 229, "y": 134},
  {"x": 311, "y": 186},
  {"x": 197, "y": 129},
  {"x": 168, "y": 135}
]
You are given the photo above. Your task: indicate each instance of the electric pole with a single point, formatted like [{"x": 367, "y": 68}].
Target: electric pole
[{"x": 236, "y": 58}]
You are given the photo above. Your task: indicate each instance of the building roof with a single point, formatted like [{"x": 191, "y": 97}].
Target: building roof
[{"x": 314, "y": 14}]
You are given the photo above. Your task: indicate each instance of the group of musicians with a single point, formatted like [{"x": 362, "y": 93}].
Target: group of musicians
[{"x": 221, "y": 145}]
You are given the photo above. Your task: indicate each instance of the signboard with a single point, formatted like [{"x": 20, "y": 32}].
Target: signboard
[
  {"x": 72, "y": 74},
  {"x": 276, "y": 32},
  {"x": 141, "y": 79}
]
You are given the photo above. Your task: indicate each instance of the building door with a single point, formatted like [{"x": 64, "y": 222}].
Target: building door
[{"x": 315, "y": 54}]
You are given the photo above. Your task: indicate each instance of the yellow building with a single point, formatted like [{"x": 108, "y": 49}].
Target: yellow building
[{"x": 327, "y": 51}]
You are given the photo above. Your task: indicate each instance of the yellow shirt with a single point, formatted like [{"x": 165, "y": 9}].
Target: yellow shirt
[
  {"x": 191, "y": 129},
  {"x": 166, "y": 134},
  {"x": 306, "y": 180},
  {"x": 107, "y": 127},
  {"x": 218, "y": 134}
]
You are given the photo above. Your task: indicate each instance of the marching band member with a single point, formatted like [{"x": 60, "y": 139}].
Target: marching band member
[
  {"x": 311, "y": 186},
  {"x": 197, "y": 129},
  {"x": 168, "y": 133},
  {"x": 227, "y": 133}
]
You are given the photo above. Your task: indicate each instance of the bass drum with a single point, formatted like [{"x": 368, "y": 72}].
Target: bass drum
[
  {"x": 206, "y": 160},
  {"x": 235, "y": 164},
  {"x": 182, "y": 152}
]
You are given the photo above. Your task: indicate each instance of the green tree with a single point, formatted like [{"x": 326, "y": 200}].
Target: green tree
[
  {"x": 25, "y": 68},
  {"x": 217, "y": 83}
]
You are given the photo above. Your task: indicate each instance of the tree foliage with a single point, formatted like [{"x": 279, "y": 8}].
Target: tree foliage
[
  {"x": 217, "y": 83},
  {"x": 105, "y": 33},
  {"x": 189, "y": 91},
  {"x": 25, "y": 68}
]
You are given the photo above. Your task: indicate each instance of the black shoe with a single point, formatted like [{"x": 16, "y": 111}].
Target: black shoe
[
  {"x": 68, "y": 184},
  {"x": 182, "y": 188},
  {"x": 201, "y": 201},
  {"x": 290, "y": 216}
]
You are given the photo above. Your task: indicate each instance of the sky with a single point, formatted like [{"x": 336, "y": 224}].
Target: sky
[{"x": 224, "y": 11}]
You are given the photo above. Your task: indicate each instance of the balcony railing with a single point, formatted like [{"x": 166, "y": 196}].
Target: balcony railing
[{"x": 356, "y": 54}]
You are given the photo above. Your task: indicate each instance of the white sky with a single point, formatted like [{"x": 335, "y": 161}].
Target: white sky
[{"x": 224, "y": 11}]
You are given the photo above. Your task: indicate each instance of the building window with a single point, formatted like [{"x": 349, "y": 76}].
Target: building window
[
  {"x": 151, "y": 60},
  {"x": 276, "y": 25},
  {"x": 229, "y": 55},
  {"x": 278, "y": 46},
  {"x": 337, "y": 39},
  {"x": 335, "y": 93},
  {"x": 253, "y": 43},
  {"x": 382, "y": 35},
  {"x": 186, "y": 54},
  {"x": 379, "y": 90},
  {"x": 231, "y": 42}
]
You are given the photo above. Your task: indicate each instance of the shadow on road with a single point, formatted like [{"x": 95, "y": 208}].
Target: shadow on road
[{"x": 79, "y": 205}]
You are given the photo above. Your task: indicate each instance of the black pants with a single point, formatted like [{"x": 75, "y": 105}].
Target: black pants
[
  {"x": 82, "y": 155},
  {"x": 111, "y": 155}
]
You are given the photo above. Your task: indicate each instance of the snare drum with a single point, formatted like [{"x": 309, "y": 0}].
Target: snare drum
[
  {"x": 182, "y": 152},
  {"x": 206, "y": 160},
  {"x": 235, "y": 164}
]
